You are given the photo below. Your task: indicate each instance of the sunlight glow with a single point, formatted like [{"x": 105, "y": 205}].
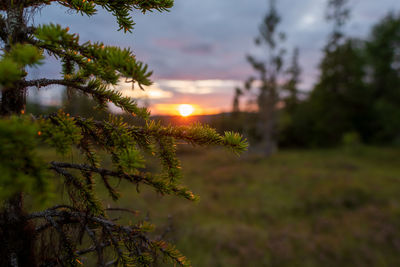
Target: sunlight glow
[{"x": 185, "y": 110}]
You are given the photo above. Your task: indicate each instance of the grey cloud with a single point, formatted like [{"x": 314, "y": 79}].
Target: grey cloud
[
  {"x": 213, "y": 37},
  {"x": 200, "y": 49}
]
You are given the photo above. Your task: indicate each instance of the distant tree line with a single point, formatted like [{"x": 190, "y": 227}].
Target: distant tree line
[{"x": 356, "y": 96}]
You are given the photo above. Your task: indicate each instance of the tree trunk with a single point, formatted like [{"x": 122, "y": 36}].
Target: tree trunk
[
  {"x": 16, "y": 233},
  {"x": 13, "y": 100},
  {"x": 266, "y": 126}
]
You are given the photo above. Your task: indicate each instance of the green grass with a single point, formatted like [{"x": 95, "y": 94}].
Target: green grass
[{"x": 297, "y": 208}]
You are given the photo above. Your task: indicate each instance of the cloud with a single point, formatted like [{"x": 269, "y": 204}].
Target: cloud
[
  {"x": 188, "y": 46},
  {"x": 169, "y": 42},
  {"x": 164, "y": 96},
  {"x": 198, "y": 87},
  {"x": 307, "y": 21},
  {"x": 150, "y": 92},
  {"x": 210, "y": 40},
  {"x": 199, "y": 49}
]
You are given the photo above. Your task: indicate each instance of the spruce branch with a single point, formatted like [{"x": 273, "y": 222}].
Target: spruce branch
[
  {"x": 98, "y": 90},
  {"x": 121, "y": 10},
  {"x": 146, "y": 178},
  {"x": 98, "y": 246},
  {"x": 117, "y": 236},
  {"x": 64, "y": 232},
  {"x": 90, "y": 200},
  {"x": 106, "y": 62},
  {"x": 195, "y": 134},
  {"x": 66, "y": 242},
  {"x": 114, "y": 233}
]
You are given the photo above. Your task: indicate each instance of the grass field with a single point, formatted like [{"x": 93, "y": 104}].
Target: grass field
[{"x": 297, "y": 208}]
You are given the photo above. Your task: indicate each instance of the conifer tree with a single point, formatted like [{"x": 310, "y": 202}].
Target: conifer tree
[
  {"x": 338, "y": 12},
  {"x": 339, "y": 103},
  {"x": 269, "y": 72},
  {"x": 65, "y": 233},
  {"x": 292, "y": 102},
  {"x": 291, "y": 85},
  {"x": 383, "y": 50}
]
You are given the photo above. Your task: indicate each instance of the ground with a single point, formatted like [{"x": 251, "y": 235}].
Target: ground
[{"x": 336, "y": 207}]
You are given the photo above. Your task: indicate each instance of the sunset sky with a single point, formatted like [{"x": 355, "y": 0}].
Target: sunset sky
[{"x": 197, "y": 50}]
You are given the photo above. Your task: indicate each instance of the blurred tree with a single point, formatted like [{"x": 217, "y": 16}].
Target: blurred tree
[
  {"x": 65, "y": 234},
  {"x": 77, "y": 103},
  {"x": 236, "y": 104},
  {"x": 338, "y": 12},
  {"x": 269, "y": 73},
  {"x": 383, "y": 49},
  {"x": 291, "y": 86},
  {"x": 339, "y": 102},
  {"x": 287, "y": 133}
]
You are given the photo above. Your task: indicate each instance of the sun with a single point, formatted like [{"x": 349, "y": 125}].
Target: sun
[{"x": 185, "y": 110}]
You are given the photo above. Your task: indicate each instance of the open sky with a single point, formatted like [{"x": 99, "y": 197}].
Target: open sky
[{"x": 197, "y": 50}]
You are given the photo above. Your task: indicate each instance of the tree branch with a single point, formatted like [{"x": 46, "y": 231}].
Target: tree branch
[
  {"x": 46, "y": 82},
  {"x": 101, "y": 171},
  {"x": 93, "y": 248},
  {"x": 134, "y": 212},
  {"x": 114, "y": 232},
  {"x": 97, "y": 245},
  {"x": 161, "y": 187}
]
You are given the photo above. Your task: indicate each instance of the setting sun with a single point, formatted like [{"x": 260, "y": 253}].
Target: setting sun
[{"x": 185, "y": 110}]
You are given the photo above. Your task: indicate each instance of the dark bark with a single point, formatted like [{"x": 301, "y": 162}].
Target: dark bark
[
  {"x": 16, "y": 235},
  {"x": 16, "y": 232},
  {"x": 13, "y": 100}
]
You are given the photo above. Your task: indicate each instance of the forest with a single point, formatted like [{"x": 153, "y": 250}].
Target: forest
[{"x": 290, "y": 175}]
